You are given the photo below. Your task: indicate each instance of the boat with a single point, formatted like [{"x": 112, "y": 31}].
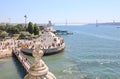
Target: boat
[{"x": 61, "y": 32}]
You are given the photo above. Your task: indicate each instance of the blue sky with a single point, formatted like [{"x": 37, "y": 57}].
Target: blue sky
[{"x": 58, "y": 11}]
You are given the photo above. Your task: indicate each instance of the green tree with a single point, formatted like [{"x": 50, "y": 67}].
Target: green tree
[
  {"x": 30, "y": 28},
  {"x": 20, "y": 27},
  {"x": 24, "y": 34},
  {"x": 36, "y": 30},
  {"x": 13, "y": 30},
  {"x": 3, "y": 34},
  {"x": 2, "y": 28}
]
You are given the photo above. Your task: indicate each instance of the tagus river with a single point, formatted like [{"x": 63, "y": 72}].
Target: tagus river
[{"x": 91, "y": 53}]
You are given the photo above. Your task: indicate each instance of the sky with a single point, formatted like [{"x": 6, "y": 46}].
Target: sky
[{"x": 59, "y": 11}]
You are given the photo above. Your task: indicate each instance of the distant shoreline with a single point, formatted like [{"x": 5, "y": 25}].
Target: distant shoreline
[{"x": 80, "y": 24}]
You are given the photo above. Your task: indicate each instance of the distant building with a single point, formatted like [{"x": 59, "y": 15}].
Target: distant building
[{"x": 47, "y": 27}]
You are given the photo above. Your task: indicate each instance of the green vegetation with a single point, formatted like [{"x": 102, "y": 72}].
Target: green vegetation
[
  {"x": 36, "y": 30},
  {"x": 19, "y": 31},
  {"x": 12, "y": 29},
  {"x": 15, "y": 36},
  {"x": 24, "y": 35},
  {"x": 3, "y": 34},
  {"x": 33, "y": 29},
  {"x": 30, "y": 27},
  {"x": 20, "y": 27}
]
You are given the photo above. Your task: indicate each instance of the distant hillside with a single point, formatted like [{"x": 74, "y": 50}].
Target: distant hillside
[
  {"x": 108, "y": 23},
  {"x": 115, "y": 23}
]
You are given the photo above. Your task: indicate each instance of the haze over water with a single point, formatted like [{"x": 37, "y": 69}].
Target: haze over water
[{"x": 91, "y": 53}]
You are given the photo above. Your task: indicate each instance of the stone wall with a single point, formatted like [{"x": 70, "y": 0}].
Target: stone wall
[{"x": 5, "y": 53}]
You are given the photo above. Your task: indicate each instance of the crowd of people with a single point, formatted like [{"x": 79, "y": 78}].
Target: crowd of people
[
  {"x": 47, "y": 40},
  {"x": 7, "y": 46}
]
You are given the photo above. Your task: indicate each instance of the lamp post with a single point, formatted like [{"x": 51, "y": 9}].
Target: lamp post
[{"x": 25, "y": 21}]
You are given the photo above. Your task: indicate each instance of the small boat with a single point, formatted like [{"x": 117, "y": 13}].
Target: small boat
[{"x": 61, "y": 32}]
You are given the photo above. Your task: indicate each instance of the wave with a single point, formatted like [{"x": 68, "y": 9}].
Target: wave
[{"x": 73, "y": 70}]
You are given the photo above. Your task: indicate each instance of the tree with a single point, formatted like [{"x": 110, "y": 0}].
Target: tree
[
  {"x": 30, "y": 28},
  {"x": 20, "y": 27},
  {"x": 24, "y": 34},
  {"x": 36, "y": 30},
  {"x": 13, "y": 30},
  {"x": 3, "y": 34},
  {"x": 2, "y": 28}
]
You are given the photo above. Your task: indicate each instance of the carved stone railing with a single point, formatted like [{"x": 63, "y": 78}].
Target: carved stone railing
[{"x": 38, "y": 69}]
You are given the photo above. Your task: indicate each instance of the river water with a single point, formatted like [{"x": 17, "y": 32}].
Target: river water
[{"x": 91, "y": 53}]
